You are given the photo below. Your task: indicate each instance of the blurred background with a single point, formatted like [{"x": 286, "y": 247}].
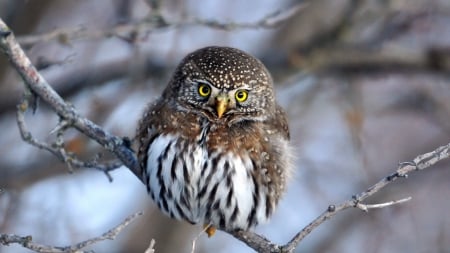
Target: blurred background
[{"x": 366, "y": 85}]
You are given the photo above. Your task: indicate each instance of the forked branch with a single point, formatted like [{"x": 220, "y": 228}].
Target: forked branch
[{"x": 39, "y": 87}]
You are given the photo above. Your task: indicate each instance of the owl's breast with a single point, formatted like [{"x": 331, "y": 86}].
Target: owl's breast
[{"x": 198, "y": 184}]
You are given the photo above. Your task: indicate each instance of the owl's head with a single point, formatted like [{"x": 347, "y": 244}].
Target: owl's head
[{"x": 222, "y": 83}]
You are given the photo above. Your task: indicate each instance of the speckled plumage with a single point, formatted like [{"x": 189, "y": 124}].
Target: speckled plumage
[{"x": 214, "y": 148}]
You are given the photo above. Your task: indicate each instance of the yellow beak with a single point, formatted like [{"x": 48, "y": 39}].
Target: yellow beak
[{"x": 221, "y": 104}]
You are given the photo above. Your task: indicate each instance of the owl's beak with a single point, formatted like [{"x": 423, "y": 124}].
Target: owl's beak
[{"x": 221, "y": 104}]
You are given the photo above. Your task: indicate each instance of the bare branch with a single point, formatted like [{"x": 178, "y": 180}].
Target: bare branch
[
  {"x": 272, "y": 20},
  {"x": 261, "y": 244},
  {"x": 143, "y": 27},
  {"x": 27, "y": 241},
  {"x": 366, "y": 207},
  {"x": 419, "y": 163},
  {"x": 39, "y": 86},
  {"x": 57, "y": 148},
  {"x": 110, "y": 235}
]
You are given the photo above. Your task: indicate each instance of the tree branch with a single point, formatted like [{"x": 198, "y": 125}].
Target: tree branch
[
  {"x": 57, "y": 148},
  {"x": 421, "y": 162},
  {"x": 39, "y": 87},
  {"x": 27, "y": 241},
  {"x": 366, "y": 207},
  {"x": 142, "y": 27}
]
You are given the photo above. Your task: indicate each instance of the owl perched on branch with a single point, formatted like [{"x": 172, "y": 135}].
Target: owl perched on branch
[{"x": 214, "y": 148}]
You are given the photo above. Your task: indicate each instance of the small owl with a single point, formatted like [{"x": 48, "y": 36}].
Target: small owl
[{"x": 214, "y": 148}]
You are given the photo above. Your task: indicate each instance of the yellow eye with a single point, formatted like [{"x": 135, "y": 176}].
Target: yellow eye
[
  {"x": 204, "y": 90},
  {"x": 241, "y": 95}
]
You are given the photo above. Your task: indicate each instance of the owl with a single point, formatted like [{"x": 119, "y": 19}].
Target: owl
[{"x": 214, "y": 148}]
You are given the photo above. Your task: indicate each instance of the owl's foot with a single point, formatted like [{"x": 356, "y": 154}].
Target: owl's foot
[{"x": 209, "y": 229}]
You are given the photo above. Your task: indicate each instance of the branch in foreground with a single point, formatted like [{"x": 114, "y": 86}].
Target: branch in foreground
[
  {"x": 421, "y": 162},
  {"x": 27, "y": 241}
]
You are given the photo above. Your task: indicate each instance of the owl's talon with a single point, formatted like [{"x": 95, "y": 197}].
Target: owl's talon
[{"x": 209, "y": 229}]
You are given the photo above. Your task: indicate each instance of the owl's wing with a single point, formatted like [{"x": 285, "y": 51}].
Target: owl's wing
[
  {"x": 280, "y": 122},
  {"x": 145, "y": 133}
]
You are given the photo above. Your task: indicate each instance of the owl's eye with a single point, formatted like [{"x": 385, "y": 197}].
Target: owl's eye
[
  {"x": 241, "y": 95},
  {"x": 204, "y": 90}
]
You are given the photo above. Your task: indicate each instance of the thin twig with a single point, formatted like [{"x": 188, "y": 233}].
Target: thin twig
[
  {"x": 151, "y": 247},
  {"x": 270, "y": 21},
  {"x": 194, "y": 241},
  {"x": 366, "y": 207},
  {"x": 419, "y": 163},
  {"x": 156, "y": 21},
  {"x": 27, "y": 241},
  {"x": 109, "y": 235},
  {"x": 57, "y": 148}
]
